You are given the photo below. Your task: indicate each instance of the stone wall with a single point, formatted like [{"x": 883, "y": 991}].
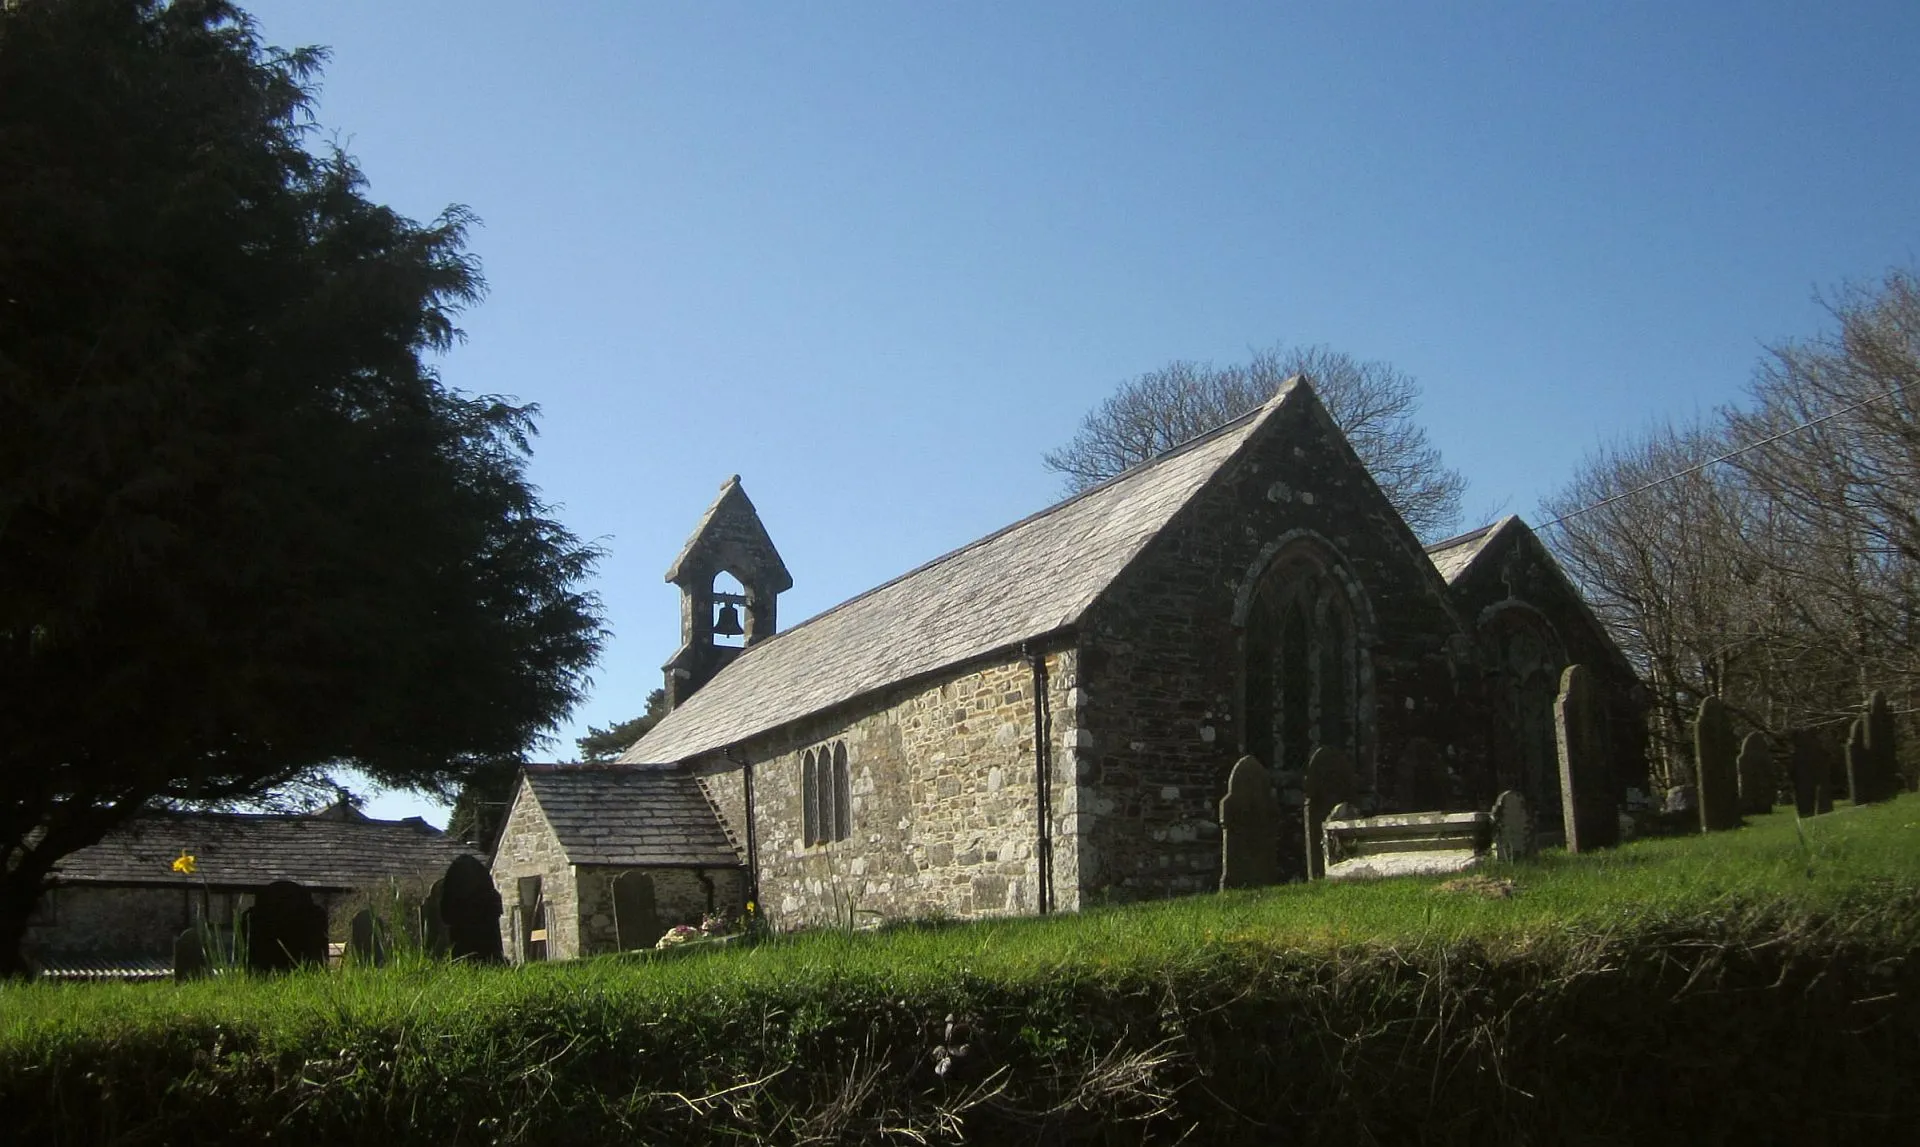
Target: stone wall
[
  {"x": 1517, "y": 578},
  {"x": 681, "y": 896},
  {"x": 528, "y": 847},
  {"x": 943, "y": 801},
  {"x": 1160, "y": 699},
  {"x": 132, "y": 921}
]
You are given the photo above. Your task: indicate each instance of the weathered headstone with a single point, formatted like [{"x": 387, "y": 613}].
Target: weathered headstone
[
  {"x": 367, "y": 940},
  {"x": 1756, "y": 775},
  {"x": 1809, "y": 766},
  {"x": 433, "y": 927},
  {"x": 190, "y": 956},
  {"x": 1330, "y": 781},
  {"x": 1879, "y": 757},
  {"x": 470, "y": 905},
  {"x": 1715, "y": 764},
  {"x": 1249, "y": 828},
  {"x": 1586, "y": 787},
  {"x": 1860, "y": 779},
  {"x": 1513, "y": 837},
  {"x": 285, "y": 929},
  {"x": 636, "y": 914}
]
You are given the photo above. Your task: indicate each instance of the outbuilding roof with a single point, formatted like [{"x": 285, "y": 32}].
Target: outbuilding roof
[
  {"x": 629, "y": 815},
  {"x": 251, "y": 850},
  {"x": 1032, "y": 578}
]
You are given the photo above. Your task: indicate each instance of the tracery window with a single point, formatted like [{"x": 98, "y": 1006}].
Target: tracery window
[
  {"x": 826, "y": 795},
  {"x": 1303, "y": 686}
]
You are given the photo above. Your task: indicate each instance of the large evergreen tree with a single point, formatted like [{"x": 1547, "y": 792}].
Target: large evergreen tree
[{"x": 246, "y": 533}]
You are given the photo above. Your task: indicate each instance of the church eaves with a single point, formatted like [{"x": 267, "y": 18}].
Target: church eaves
[{"x": 1026, "y": 581}]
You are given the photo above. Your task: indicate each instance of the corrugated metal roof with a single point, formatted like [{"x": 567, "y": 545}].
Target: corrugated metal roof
[
  {"x": 629, "y": 815},
  {"x": 256, "y": 849},
  {"x": 1029, "y": 579}
]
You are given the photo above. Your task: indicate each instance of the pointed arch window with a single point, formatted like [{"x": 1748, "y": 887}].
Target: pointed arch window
[
  {"x": 1302, "y": 680},
  {"x": 826, "y": 795}
]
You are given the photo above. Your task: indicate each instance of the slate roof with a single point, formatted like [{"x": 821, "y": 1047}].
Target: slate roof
[
  {"x": 1028, "y": 580},
  {"x": 251, "y": 850},
  {"x": 630, "y": 816},
  {"x": 1456, "y": 555}
]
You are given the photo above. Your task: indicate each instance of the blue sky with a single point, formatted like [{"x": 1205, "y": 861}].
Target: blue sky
[{"x": 877, "y": 258}]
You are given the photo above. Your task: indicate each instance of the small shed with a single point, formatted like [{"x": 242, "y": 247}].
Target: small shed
[
  {"x": 120, "y": 904},
  {"x": 604, "y": 858}
]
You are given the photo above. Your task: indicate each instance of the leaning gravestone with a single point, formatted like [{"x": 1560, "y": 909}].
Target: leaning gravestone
[
  {"x": 1513, "y": 837},
  {"x": 285, "y": 929},
  {"x": 1249, "y": 823},
  {"x": 470, "y": 905},
  {"x": 636, "y": 914},
  {"x": 1718, "y": 773},
  {"x": 1809, "y": 766},
  {"x": 367, "y": 941},
  {"x": 1755, "y": 767},
  {"x": 190, "y": 956},
  {"x": 1586, "y": 790},
  {"x": 1330, "y": 781}
]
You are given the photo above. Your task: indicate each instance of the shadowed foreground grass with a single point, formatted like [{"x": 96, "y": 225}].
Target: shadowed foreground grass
[{"x": 1754, "y": 986}]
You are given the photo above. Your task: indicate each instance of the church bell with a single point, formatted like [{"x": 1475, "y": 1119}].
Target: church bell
[{"x": 728, "y": 623}]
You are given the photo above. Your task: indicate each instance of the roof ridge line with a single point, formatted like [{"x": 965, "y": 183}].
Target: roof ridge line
[{"x": 1170, "y": 453}]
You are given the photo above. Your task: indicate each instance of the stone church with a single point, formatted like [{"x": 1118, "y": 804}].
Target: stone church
[{"x": 1045, "y": 718}]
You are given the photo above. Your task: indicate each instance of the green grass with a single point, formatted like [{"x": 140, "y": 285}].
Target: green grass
[{"x": 1569, "y": 1008}]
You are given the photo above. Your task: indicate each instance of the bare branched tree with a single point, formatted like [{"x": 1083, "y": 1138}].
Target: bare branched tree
[
  {"x": 1785, "y": 579},
  {"x": 1370, "y": 401}
]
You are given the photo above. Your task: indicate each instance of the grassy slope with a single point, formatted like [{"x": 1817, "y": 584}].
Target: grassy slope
[{"x": 1596, "y": 1001}]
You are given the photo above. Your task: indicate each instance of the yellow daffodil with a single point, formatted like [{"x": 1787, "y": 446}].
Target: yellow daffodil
[{"x": 185, "y": 863}]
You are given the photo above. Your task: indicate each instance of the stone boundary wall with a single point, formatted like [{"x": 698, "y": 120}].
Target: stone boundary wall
[{"x": 942, "y": 780}]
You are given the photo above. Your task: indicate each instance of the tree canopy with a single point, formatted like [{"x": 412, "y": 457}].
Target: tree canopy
[
  {"x": 246, "y": 531},
  {"x": 1371, "y": 402}
]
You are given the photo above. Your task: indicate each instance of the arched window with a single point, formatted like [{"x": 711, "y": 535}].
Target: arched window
[
  {"x": 842, "y": 793},
  {"x": 1527, "y": 660},
  {"x": 1302, "y": 677},
  {"x": 810, "y": 799},
  {"x": 826, "y": 795}
]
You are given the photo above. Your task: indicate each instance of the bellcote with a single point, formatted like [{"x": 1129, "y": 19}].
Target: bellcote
[{"x": 730, "y": 540}]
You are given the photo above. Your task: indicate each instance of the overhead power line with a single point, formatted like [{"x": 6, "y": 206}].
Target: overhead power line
[{"x": 1691, "y": 470}]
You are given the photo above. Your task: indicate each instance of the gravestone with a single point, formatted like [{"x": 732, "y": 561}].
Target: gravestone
[
  {"x": 1716, "y": 766},
  {"x": 1513, "y": 837},
  {"x": 470, "y": 905},
  {"x": 636, "y": 914},
  {"x": 1879, "y": 758},
  {"x": 1809, "y": 766},
  {"x": 367, "y": 940},
  {"x": 1330, "y": 781},
  {"x": 285, "y": 929},
  {"x": 1756, "y": 775},
  {"x": 190, "y": 956},
  {"x": 1860, "y": 778},
  {"x": 433, "y": 927},
  {"x": 1586, "y": 788}
]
